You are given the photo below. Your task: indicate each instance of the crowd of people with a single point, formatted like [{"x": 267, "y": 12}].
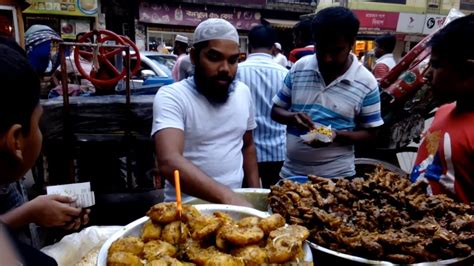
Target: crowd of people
[{"x": 231, "y": 125}]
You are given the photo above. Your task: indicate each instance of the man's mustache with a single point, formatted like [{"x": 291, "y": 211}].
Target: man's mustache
[{"x": 222, "y": 77}]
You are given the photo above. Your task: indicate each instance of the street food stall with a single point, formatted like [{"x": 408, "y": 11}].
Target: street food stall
[{"x": 377, "y": 217}]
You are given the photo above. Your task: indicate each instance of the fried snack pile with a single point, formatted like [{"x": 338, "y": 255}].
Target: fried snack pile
[
  {"x": 217, "y": 239},
  {"x": 384, "y": 217}
]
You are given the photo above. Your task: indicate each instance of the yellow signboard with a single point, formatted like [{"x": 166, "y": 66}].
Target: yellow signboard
[{"x": 86, "y": 8}]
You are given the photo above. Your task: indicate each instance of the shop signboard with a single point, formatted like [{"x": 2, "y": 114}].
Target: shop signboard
[
  {"x": 71, "y": 27},
  {"x": 432, "y": 23},
  {"x": 297, "y": 2},
  {"x": 377, "y": 20},
  {"x": 235, "y": 2},
  {"x": 401, "y": 2},
  {"x": 467, "y": 5},
  {"x": 85, "y": 8},
  {"x": 169, "y": 14},
  {"x": 410, "y": 23}
]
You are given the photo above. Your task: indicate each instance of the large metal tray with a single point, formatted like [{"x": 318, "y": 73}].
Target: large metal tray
[
  {"x": 323, "y": 256},
  {"x": 236, "y": 212},
  {"x": 257, "y": 196}
]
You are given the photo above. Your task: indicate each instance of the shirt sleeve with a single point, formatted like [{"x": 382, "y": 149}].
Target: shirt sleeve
[
  {"x": 370, "y": 114},
  {"x": 292, "y": 56},
  {"x": 168, "y": 110},
  {"x": 380, "y": 70},
  {"x": 185, "y": 69},
  {"x": 251, "y": 123},
  {"x": 283, "y": 96}
]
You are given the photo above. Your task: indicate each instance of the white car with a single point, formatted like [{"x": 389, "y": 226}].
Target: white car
[{"x": 154, "y": 66}]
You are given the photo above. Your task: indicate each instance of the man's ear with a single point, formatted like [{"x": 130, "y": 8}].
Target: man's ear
[
  {"x": 13, "y": 142},
  {"x": 192, "y": 54}
]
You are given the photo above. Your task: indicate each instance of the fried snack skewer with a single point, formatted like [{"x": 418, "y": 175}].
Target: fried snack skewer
[{"x": 178, "y": 193}]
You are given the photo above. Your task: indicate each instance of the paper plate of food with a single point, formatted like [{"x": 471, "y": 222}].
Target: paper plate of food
[
  {"x": 320, "y": 133},
  {"x": 221, "y": 234}
]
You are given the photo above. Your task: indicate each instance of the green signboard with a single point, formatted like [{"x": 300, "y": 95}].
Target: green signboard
[{"x": 63, "y": 7}]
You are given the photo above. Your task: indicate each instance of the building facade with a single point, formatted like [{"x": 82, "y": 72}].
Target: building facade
[
  {"x": 409, "y": 20},
  {"x": 154, "y": 23}
]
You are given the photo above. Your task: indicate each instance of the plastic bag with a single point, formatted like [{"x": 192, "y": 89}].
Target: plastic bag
[{"x": 71, "y": 249}]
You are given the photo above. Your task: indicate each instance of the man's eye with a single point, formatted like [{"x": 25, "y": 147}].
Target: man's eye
[
  {"x": 233, "y": 60},
  {"x": 213, "y": 56}
]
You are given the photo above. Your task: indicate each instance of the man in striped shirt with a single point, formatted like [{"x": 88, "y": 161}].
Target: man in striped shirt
[
  {"x": 331, "y": 88},
  {"x": 265, "y": 78}
]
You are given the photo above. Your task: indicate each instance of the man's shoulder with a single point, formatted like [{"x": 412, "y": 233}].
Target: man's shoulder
[
  {"x": 262, "y": 64},
  {"x": 177, "y": 89},
  {"x": 240, "y": 86},
  {"x": 364, "y": 77},
  {"x": 307, "y": 62}
]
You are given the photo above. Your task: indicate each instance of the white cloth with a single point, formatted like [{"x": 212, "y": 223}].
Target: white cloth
[
  {"x": 213, "y": 133},
  {"x": 215, "y": 29},
  {"x": 388, "y": 60},
  {"x": 281, "y": 59}
]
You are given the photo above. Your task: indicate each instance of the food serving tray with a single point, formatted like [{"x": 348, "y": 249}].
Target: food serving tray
[
  {"x": 236, "y": 212},
  {"x": 324, "y": 255}
]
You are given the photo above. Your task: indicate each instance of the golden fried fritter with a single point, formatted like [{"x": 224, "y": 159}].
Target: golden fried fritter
[
  {"x": 248, "y": 221},
  {"x": 252, "y": 255},
  {"x": 224, "y": 217},
  {"x": 165, "y": 261},
  {"x": 271, "y": 223},
  {"x": 283, "y": 248},
  {"x": 203, "y": 226},
  {"x": 120, "y": 258},
  {"x": 157, "y": 248},
  {"x": 128, "y": 244},
  {"x": 163, "y": 213},
  {"x": 189, "y": 213},
  {"x": 220, "y": 241},
  {"x": 172, "y": 232},
  {"x": 242, "y": 236},
  {"x": 151, "y": 231},
  {"x": 224, "y": 260},
  {"x": 199, "y": 255},
  {"x": 301, "y": 233}
]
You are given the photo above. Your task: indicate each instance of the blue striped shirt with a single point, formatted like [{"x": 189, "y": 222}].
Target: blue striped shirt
[
  {"x": 265, "y": 78},
  {"x": 350, "y": 101}
]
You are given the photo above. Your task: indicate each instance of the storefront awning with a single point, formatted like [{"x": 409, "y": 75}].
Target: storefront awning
[{"x": 281, "y": 23}]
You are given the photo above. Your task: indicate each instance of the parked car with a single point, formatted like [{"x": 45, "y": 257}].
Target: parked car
[{"x": 155, "y": 71}]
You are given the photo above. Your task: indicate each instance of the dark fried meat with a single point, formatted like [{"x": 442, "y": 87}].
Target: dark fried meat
[{"x": 383, "y": 217}]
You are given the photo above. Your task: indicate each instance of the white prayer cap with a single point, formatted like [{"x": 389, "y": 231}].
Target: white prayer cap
[
  {"x": 278, "y": 46},
  {"x": 181, "y": 38},
  {"x": 215, "y": 29}
]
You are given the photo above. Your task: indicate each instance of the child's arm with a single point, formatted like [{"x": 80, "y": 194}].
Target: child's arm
[{"x": 45, "y": 210}]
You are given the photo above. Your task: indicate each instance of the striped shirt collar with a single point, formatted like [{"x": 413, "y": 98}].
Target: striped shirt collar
[
  {"x": 259, "y": 56},
  {"x": 349, "y": 75}
]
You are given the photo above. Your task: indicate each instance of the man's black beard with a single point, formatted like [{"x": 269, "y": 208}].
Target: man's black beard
[{"x": 208, "y": 87}]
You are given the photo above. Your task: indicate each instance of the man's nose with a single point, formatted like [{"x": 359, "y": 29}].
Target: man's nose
[{"x": 224, "y": 67}]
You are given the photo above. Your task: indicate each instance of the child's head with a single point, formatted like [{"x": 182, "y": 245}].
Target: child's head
[
  {"x": 20, "y": 112},
  {"x": 451, "y": 72}
]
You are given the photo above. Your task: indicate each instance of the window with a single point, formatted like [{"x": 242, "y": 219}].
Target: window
[{"x": 8, "y": 22}]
